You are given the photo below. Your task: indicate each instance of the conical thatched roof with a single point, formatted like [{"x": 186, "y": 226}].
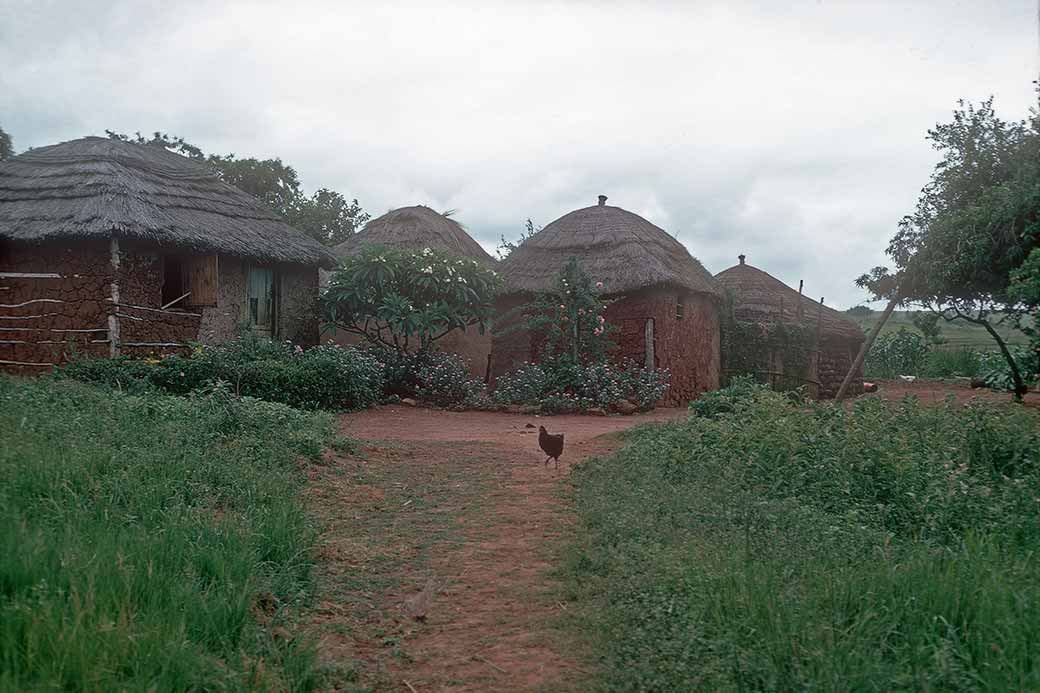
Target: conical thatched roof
[
  {"x": 415, "y": 228},
  {"x": 614, "y": 246},
  {"x": 757, "y": 297},
  {"x": 97, "y": 187}
]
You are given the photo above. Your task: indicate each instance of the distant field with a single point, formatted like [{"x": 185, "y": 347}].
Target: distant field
[{"x": 957, "y": 334}]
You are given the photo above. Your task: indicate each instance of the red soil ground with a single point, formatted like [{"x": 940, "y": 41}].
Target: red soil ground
[
  {"x": 936, "y": 391},
  {"x": 490, "y": 623}
]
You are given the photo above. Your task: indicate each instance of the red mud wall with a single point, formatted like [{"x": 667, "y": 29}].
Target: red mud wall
[
  {"x": 59, "y": 309},
  {"x": 836, "y": 357},
  {"x": 144, "y": 329},
  {"x": 687, "y": 346}
]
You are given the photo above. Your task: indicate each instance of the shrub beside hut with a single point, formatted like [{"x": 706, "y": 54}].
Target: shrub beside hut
[
  {"x": 782, "y": 337},
  {"x": 415, "y": 229},
  {"x": 110, "y": 247},
  {"x": 663, "y": 302}
]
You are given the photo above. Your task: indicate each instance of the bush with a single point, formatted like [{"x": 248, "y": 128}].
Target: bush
[
  {"x": 995, "y": 371},
  {"x": 444, "y": 380},
  {"x": 947, "y": 363},
  {"x": 772, "y": 544},
  {"x": 896, "y": 353},
  {"x": 561, "y": 387},
  {"x": 324, "y": 377}
]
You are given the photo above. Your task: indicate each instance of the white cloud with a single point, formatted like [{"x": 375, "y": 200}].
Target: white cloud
[{"x": 793, "y": 132}]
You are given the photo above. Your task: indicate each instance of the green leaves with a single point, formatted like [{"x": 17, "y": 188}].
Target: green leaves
[{"x": 403, "y": 299}]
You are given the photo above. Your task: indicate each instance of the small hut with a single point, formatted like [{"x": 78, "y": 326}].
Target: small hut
[
  {"x": 415, "y": 228},
  {"x": 110, "y": 247},
  {"x": 665, "y": 304},
  {"x": 819, "y": 355}
]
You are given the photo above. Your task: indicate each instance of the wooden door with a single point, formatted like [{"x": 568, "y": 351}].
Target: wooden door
[{"x": 260, "y": 300}]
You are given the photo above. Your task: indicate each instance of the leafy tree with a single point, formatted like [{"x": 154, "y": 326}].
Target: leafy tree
[
  {"x": 570, "y": 315},
  {"x": 860, "y": 311},
  {"x": 928, "y": 324},
  {"x": 6, "y": 145},
  {"x": 977, "y": 220},
  {"x": 326, "y": 215},
  {"x": 506, "y": 247},
  {"x": 407, "y": 300}
]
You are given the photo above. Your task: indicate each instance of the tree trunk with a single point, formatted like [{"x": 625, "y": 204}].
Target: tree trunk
[
  {"x": 858, "y": 362},
  {"x": 1020, "y": 386}
]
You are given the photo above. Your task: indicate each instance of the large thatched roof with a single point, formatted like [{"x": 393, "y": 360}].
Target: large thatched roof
[
  {"x": 757, "y": 297},
  {"x": 97, "y": 187},
  {"x": 415, "y": 228},
  {"x": 614, "y": 246}
]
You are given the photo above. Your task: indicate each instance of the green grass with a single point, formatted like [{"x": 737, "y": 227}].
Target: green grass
[
  {"x": 773, "y": 545},
  {"x": 958, "y": 334},
  {"x": 151, "y": 542}
]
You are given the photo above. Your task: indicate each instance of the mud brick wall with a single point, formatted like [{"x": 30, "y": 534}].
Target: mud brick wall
[
  {"x": 298, "y": 304},
  {"x": 49, "y": 319},
  {"x": 472, "y": 346},
  {"x": 688, "y": 347},
  {"x": 144, "y": 329},
  {"x": 220, "y": 323},
  {"x": 510, "y": 350},
  {"x": 836, "y": 357}
]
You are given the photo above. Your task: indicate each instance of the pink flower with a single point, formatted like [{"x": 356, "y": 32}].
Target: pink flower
[
  {"x": 599, "y": 285},
  {"x": 563, "y": 307},
  {"x": 600, "y": 318}
]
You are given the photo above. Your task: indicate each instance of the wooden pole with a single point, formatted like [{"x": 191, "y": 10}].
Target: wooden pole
[
  {"x": 858, "y": 362},
  {"x": 814, "y": 360}
]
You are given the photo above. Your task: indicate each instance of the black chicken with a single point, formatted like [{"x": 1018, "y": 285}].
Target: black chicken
[{"x": 551, "y": 445}]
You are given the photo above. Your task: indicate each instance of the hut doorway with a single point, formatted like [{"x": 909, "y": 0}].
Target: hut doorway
[{"x": 260, "y": 304}]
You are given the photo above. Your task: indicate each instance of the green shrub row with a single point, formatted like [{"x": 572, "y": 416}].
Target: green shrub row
[
  {"x": 151, "y": 542},
  {"x": 324, "y": 377},
  {"x": 562, "y": 387},
  {"x": 772, "y": 544}
]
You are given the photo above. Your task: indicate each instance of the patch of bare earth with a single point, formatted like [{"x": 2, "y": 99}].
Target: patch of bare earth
[
  {"x": 458, "y": 505},
  {"x": 936, "y": 391}
]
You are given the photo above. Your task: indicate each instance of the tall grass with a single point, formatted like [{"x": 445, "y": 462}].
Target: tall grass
[
  {"x": 767, "y": 544},
  {"x": 150, "y": 542}
]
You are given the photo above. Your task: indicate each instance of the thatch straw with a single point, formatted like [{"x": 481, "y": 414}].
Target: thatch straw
[
  {"x": 760, "y": 297},
  {"x": 415, "y": 228},
  {"x": 614, "y": 246},
  {"x": 98, "y": 188}
]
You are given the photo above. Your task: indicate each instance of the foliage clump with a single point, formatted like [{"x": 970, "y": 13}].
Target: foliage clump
[
  {"x": 323, "y": 377},
  {"x": 772, "y": 544},
  {"x": 408, "y": 300}
]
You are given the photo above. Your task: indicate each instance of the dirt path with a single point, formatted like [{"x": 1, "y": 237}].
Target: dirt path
[{"x": 459, "y": 504}]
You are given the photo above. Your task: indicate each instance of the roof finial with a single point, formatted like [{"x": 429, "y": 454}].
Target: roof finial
[
  {"x": 741, "y": 258},
  {"x": 602, "y": 200}
]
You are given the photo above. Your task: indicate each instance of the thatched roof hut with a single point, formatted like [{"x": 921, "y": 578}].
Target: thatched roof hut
[
  {"x": 97, "y": 188},
  {"x": 621, "y": 249},
  {"x": 759, "y": 296},
  {"x": 766, "y": 302},
  {"x": 111, "y": 247},
  {"x": 415, "y": 228},
  {"x": 665, "y": 305}
]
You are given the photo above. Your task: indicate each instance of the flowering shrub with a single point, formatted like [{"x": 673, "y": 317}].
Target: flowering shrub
[
  {"x": 405, "y": 300},
  {"x": 324, "y": 377},
  {"x": 556, "y": 388},
  {"x": 444, "y": 380}
]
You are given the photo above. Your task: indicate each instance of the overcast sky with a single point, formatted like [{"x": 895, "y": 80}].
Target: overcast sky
[{"x": 790, "y": 131}]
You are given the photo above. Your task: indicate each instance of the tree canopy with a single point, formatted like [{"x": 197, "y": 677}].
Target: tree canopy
[
  {"x": 406, "y": 300},
  {"x": 975, "y": 223},
  {"x": 326, "y": 215},
  {"x": 6, "y": 145}
]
